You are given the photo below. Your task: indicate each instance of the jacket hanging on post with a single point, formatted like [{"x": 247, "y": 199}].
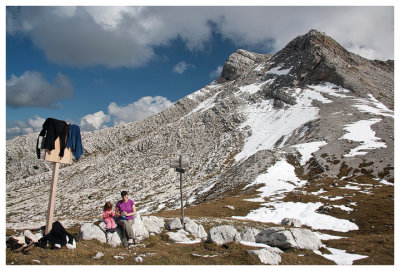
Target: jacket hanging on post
[
  {"x": 51, "y": 129},
  {"x": 74, "y": 140}
]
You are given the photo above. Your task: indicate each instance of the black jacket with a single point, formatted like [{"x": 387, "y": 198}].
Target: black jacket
[
  {"x": 57, "y": 235},
  {"x": 52, "y": 129}
]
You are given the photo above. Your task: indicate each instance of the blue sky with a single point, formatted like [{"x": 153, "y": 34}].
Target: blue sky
[{"x": 104, "y": 66}]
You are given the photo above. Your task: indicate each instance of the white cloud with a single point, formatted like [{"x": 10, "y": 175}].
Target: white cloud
[
  {"x": 138, "y": 110},
  {"x": 217, "y": 72},
  {"x": 362, "y": 51},
  {"x": 17, "y": 128},
  {"x": 32, "y": 89},
  {"x": 181, "y": 67},
  {"x": 94, "y": 121},
  {"x": 126, "y": 36}
]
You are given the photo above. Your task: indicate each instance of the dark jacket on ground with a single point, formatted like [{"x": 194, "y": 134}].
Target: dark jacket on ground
[{"x": 57, "y": 235}]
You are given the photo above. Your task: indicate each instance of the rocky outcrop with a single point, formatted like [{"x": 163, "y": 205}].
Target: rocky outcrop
[
  {"x": 291, "y": 222},
  {"x": 316, "y": 57},
  {"x": 237, "y": 64},
  {"x": 223, "y": 234},
  {"x": 153, "y": 224},
  {"x": 249, "y": 234},
  {"x": 268, "y": 255},
  {"x": 289, "y": 238}
]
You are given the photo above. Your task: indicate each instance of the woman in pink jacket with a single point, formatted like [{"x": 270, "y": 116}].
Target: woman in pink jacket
[{"x": 108, "y": 217}]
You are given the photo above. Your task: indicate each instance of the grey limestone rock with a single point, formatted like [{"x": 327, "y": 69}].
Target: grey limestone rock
[
  {"x": 291, "y": 238},
  {"x": 267, "y": 255},
  {"x": 249, "y": 234},
  {"x": 179, "y": 236},
  {"x": 153, "y": 224},
  {"x": 291, "y": 222},
  {"x": 89, "y": 231},
  {"x": 139, "y": 229},
  {"x": 175, "y": 224},
  {"x": 223, "y": 234},
  {"x": 195, "y": 229}
]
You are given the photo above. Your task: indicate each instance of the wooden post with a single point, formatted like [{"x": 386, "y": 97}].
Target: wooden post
[
  {"x": 52, "y": 197},
  {"x": 180, "y": 179}
]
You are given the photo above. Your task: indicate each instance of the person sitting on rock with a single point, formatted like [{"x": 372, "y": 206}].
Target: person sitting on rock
[
  {"x": 108, "y": 217},
  {"x": 125, "y": 210}
]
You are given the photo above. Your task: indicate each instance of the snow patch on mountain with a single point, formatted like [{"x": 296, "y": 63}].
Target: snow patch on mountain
[
  {"x": 277, "y": 71},
  {"x": 331, "y": 89},
  {"x": 373, "y": 106},
  {"x": 307, "y": 149},
  {"x": 340, "y": 257},
  {"x": 267, "y": 125},
  {"x": 361, "y": 131},
  {"x": 305, "y": 212},
  {"x": 279, "y": 179}
]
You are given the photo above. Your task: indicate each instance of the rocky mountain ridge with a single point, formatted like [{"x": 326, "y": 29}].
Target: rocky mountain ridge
[{"x": 263, "y": 109}]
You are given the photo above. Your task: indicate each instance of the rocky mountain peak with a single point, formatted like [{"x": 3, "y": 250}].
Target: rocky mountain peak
[
  {"x": 314, "y": 42},
  {"x": 316, "y": 57},
  {"x": 238, "y": 63}
]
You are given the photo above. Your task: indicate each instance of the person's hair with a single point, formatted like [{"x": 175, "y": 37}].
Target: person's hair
[
  {"x": 124, "y": 193},
  {"x": 107, "y": 206}
]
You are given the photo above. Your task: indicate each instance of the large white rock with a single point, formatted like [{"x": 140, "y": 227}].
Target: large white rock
[
  {"x": 114, "y": 239},
  {"x": 179, "y": 236},
  {"x": 291, "y": 222},
  {"x": 268, "y": 255},
  {"x": 90, "y": 231},
  {"x": 139, "y": 229},
  {"x": 195, "y": 229},
  {"x": 306, "y": 239},
  {"x": 223, "y": 234},
  {"x": 291, "y": 238},
  {"x": 174, "y": 224},
  {"x": 153, "y": 224},
  {"x": 249, "y": 234}
]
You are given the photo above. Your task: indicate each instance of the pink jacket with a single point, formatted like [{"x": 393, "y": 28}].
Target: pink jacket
[{"x": 108, "y": 215}]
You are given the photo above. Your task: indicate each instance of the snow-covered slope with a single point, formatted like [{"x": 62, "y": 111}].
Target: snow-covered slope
[{"x": 284, "y": 121}]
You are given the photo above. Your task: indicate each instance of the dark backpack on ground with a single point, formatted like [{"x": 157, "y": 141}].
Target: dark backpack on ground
[{"x": 57, "y": 236}]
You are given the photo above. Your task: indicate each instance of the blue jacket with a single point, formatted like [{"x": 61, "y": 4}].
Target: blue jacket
[{"x": 74, "y": 140}]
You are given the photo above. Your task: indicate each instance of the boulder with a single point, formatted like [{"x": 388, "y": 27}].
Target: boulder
[
  {"x": 89, "y": 231},
  {"x": 292, "y": 238},
  {"x": 306, "y": 239},
  {"x": 291, "y": 222},
  {"x": 249, "y": 234},
  {"x": 223, "y": 234},
  {"x": 113, "y": 239},
  {"x": 139, "y": 229},
  {"x": 195, "y": 229},
  {"x": 174, "y": 224},
  {"x": 282, "y": 239},
  {"x": 153, "y": 224},
  {"x": 179, "y": 236},
  {"x": 267, "y": 255}
]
